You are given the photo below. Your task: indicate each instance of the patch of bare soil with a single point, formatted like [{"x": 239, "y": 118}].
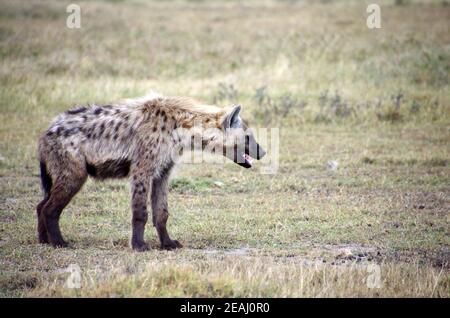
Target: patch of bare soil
[{"x": 343, "y": 255}]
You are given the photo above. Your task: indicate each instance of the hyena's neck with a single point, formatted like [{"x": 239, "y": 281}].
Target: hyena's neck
[{"x": 167, "y": 114}]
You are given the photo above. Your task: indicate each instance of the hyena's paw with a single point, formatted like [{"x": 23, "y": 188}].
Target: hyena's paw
[
  {"x": 170, "y": 245},
  {"x": 43, "y": 239},
  {"x": 60, "y": 244},
  {"x": 140, "y": 246}
]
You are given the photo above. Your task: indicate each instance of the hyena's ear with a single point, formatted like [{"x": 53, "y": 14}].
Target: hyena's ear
[{"x": 232, "y": 119}]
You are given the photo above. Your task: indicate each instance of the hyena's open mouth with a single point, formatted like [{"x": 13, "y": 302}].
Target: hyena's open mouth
[{"x": 248, "y": 161}]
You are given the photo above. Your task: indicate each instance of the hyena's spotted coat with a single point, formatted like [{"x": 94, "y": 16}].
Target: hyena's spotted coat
[{"x": 133, "y": 138}]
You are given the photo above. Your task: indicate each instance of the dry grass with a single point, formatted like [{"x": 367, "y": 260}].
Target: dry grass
[
  {"x": 228, "y": 276},
  {"x": 376, "y": 101}
]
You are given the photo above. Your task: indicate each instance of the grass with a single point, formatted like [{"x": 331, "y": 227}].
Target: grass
[{"x": 375, "y": 101}]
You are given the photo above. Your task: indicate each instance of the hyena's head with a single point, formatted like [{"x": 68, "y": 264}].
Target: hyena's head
[{"x": 232, "y": 138}]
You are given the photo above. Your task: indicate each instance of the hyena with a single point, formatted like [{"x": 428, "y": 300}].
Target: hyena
[{"x": 135, "y": 139}]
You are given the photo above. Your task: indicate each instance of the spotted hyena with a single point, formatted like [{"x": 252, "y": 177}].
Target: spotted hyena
[{"x": 134, "y": 139}]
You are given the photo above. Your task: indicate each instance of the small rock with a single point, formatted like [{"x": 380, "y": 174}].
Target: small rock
[
  {"x": 218, "y": 184},
  {"x": 332, "y": 165},
  {"x": 421, "y": 206},
  {"x": 345, "y": 253}
]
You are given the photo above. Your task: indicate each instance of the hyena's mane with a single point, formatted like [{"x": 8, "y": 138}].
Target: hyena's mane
[{"x": 183, "y": 111}]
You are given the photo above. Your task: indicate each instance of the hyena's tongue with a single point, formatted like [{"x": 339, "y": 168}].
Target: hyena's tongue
[{"x": 248, "y": 159}]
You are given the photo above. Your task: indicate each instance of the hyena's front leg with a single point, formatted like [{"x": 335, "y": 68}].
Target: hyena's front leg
[
  {"x": 140, "y": 186},
  {"x": 160, "y": 211}
]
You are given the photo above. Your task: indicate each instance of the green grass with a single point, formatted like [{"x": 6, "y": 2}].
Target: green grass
[{"x": 376, "y": 101}]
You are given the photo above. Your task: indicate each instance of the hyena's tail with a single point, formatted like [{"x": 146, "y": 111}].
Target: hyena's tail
[{"x": 46, "y": 180}]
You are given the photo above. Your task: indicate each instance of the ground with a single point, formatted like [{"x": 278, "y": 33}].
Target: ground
[{"x": 359, "y": 205}]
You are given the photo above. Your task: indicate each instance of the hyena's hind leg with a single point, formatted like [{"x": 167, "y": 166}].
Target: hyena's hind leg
[
  {"x": 41, "y": 229},
  {"x": 70, "y": 178},
  {"x": 160, "y": 210},
  {"x": 46, "y": 181}
]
